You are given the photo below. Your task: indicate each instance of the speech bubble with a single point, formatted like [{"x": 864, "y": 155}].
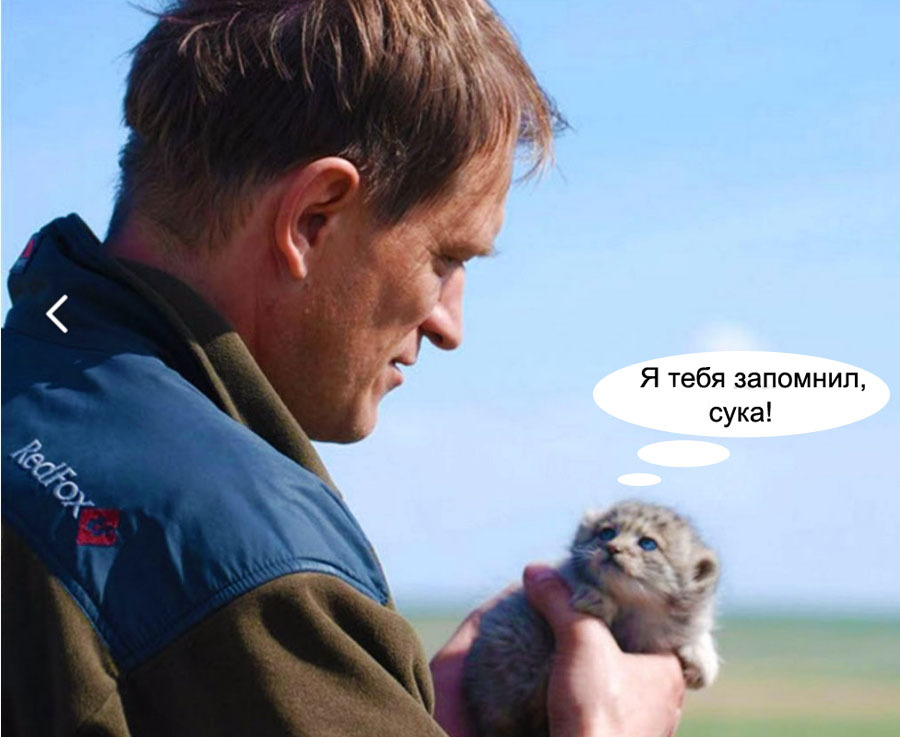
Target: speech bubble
[
  {"x": 741, "y": 394},
  {"x": 639, "y": 479},
  {"x": 684, "y": 453}
]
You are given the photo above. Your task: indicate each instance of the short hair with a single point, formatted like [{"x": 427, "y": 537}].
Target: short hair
[{"x": 224, "y": 96}]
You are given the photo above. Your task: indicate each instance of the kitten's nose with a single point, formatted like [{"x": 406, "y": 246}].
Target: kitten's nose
[{"x": 611, "y": 549}]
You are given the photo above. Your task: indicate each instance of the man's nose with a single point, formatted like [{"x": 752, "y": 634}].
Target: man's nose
[{"x": 444, "y": 325}]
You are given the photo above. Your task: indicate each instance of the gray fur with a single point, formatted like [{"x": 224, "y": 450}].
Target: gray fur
[{"x": 653, "y": 602}]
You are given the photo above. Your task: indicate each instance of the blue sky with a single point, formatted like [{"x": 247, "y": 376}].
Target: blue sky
[{"x": 732, "y": 180}]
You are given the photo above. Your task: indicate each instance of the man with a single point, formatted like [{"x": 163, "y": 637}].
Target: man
[{"x": 301, "y": 188}]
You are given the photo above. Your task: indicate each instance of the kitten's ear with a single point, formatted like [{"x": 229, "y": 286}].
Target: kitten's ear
[
  {"x": 706, "y": 568},
  {"x": 586, "y": 526}
]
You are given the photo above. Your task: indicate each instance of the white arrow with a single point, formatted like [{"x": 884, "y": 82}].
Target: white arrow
[{"x": 53, "y": 317}]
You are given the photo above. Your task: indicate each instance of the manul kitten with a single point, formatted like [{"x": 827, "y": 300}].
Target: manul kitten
[{"x": 643, "y": 570}]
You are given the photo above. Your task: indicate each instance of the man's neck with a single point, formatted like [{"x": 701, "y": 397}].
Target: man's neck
[{"x": 221, "y": 278}]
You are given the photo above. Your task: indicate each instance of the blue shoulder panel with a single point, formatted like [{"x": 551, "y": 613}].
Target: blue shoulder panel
[{"x": 152, "y": 506}]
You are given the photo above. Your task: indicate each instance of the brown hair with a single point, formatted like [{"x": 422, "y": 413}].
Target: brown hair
[{"x": 226, "y": 95}]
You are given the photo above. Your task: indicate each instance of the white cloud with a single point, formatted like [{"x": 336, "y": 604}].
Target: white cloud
[{"x": 725, "y": 336}]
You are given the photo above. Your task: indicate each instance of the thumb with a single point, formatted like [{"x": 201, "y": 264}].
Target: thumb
[{"x": 550, "y": 595}]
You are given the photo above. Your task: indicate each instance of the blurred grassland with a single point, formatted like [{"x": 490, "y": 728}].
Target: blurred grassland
[{"x": 782, "y": 677}]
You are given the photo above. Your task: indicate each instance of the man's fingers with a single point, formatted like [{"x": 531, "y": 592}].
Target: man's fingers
[{"x": 549, "y": 594}]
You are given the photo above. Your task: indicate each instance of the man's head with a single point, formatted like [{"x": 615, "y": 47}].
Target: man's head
[{"x": 335, "y": 146}]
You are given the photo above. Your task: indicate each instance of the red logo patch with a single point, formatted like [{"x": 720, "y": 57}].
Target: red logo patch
[
  {"x": 22, "y": 262},
  {"x": 98, "y": 527}
]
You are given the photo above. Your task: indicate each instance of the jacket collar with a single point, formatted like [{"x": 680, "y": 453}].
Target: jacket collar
[{"x": 124, "y": 305}]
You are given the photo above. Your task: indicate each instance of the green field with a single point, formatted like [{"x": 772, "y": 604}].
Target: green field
[{"x": 797, "y": 677}]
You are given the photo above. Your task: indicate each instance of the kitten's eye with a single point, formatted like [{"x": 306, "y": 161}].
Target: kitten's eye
[
  {"x": 648, "y": 543},
  {"x": 606, "y": 534}
]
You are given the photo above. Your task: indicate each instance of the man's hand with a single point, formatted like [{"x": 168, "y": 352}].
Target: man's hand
[
  {"x": 595, "y": 688},
  {"x": 450, "y": 709}
]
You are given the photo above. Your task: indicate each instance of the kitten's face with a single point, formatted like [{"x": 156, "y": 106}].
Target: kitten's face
[{"x": 638, "y": 551}]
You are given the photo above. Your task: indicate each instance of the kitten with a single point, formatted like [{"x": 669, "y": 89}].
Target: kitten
[{"x": 640, "y": 568}]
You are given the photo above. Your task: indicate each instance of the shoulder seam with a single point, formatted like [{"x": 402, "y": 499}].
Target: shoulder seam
[
  {"x": 132, "y": 654},
  {"x": 262, "y": 574}
]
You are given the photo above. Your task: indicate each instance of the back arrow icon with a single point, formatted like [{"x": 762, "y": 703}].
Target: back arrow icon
[{"x": 53, "y": 317}]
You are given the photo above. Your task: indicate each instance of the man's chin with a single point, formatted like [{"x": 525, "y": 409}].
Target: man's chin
[{"x": 354, "y": 428}]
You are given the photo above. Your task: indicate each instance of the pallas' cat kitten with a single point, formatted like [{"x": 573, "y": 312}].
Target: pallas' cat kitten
[{"x": 640, "y": 568}]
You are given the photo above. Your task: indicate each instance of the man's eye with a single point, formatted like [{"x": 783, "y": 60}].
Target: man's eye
[{"x": 448, "y": 263}]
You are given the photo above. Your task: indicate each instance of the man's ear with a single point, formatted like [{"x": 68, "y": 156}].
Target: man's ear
[{"x": 313, "y": 195}]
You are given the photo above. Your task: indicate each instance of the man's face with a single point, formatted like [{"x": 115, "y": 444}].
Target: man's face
[{"x": 372, "y": 296}]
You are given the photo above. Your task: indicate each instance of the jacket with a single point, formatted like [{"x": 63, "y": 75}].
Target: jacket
[{"x": 175, "y": 558}]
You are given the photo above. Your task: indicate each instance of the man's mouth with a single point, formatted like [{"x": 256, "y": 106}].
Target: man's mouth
[
  {"x": 401, "y": 361},
  {"x": 397, "y": 372}
]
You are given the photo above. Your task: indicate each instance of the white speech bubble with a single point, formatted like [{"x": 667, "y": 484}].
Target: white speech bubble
[
  {"x": 683, "y": 453},
  {"x": 796, "y": 394},
  {"x": 639, "y": 479}
]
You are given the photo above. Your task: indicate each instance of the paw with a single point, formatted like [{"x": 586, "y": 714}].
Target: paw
[
  {"x": 589, "y": 600},
  {"x": 699, "y": 662}
]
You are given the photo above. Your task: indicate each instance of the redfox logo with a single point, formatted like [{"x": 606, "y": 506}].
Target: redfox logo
[
  {"x": 66, "y": 491},
  {"x": 98, "y": 527}
]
